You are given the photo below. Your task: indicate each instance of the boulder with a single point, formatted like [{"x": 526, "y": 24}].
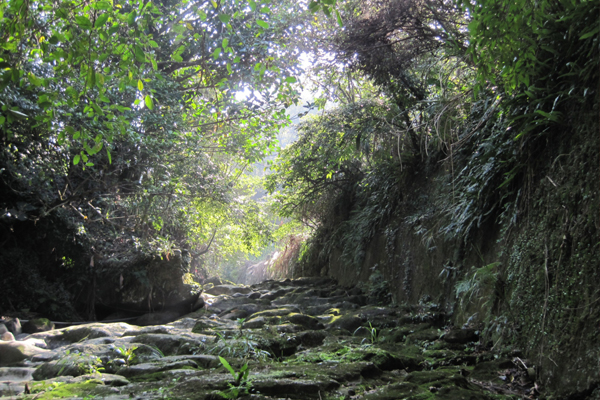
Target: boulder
[
  {"x": 38, "y": 325},
  {"x": 7, "y": 337},
  {"x": 174, "y": 344},
  {"x": 461, "y": 336},
  {"x": 294, "y": 388},
  {"x": 146, "y": 283},
  {"x": 13, "y": 325},
  {"x": 347, "y": 322},
  {"x": 13, "y": 352},
  {"x": 306, "y": 321},
  {"x": 157, "y": 318},
  {"x": 255, "y": 323},
  {"x": 228, "y": 289}
]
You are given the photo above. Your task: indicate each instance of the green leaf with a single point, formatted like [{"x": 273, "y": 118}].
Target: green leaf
[
  {"x": 149, "y": 102},
  {"x": 265, "y": 10},
  {"x": 109, "y": 157},
  {"x": 140, "y": 85},
  {"x": 291, "y": 79},
  {"x": 152, "y": 43},
  {"x": 217, "y": 53},
  {"x": 101, "y": 20},
  {"x": 591, "y": 33},
  {"x": 99, "y": 79},
  {"x": 262, "y": 24},
  {"x": 139, "y": 54},
  {"x": 227, "y": 367},
  {"x": 83, "y": 22},
  {"x": 225, "y": 43},
  {"x": 131, "y": 17},
  {"x": 252, "y": 5},
  {"x": 224, "y": 18},
  {"x": 102, "y": 5},
  {"x": 76, "y": 159},
  {"x": 35, "y": 81},
  {"x": 339, "y": 18}
]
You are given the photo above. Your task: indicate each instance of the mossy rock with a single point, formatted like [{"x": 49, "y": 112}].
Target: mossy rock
[
  {"x": 60, "y": 390},
  {"x": 307, "y": 321},
  {"x": 404, "y": 390},
  {"x": 38, "y": 325},
  {"x": 428, "y": 335},
  {"x": 202, "y": 327},
  {"x": 387, "y": 361},
  {"x": 348, "y": 323},
  {"x": 173, "y": 344},
  {"x": 74, "y": 364}
]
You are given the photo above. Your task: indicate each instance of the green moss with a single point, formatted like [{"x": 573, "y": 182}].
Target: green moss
[{"x": 58, "y": 390}]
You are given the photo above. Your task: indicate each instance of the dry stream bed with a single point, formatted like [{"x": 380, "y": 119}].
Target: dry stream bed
[{"x": 297, "y": 339}]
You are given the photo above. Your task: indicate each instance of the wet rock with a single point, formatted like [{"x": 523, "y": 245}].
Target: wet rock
[{"x": 7, "y": 337}]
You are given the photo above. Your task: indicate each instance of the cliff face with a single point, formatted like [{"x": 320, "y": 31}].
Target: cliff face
[{"x": 527, "y": 274}]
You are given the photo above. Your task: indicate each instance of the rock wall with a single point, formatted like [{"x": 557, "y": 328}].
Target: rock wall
[
  {"x": 530, "y": 283},
  {"x": 144, "y": 283}
]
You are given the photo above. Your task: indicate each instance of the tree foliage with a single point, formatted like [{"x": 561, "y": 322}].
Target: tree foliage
[
  {"x": 466, "y": 83},
  {"x": 139, "y": 119}
]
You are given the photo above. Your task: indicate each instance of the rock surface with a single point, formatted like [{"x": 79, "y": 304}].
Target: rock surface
[{"x": 296, "y": 339}]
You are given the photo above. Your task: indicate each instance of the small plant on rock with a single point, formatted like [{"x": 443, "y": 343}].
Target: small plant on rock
[
  {"x": 373, "y": 334},
  {"x": 127, "y": 354},
  {"x": 240, "y": 386}
]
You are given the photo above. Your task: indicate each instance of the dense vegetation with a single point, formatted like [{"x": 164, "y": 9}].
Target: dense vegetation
[
  {"x": 130, "y": 125},
  {"x": 457, "y": 140},
  {"x": 459, "y": 165}
]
